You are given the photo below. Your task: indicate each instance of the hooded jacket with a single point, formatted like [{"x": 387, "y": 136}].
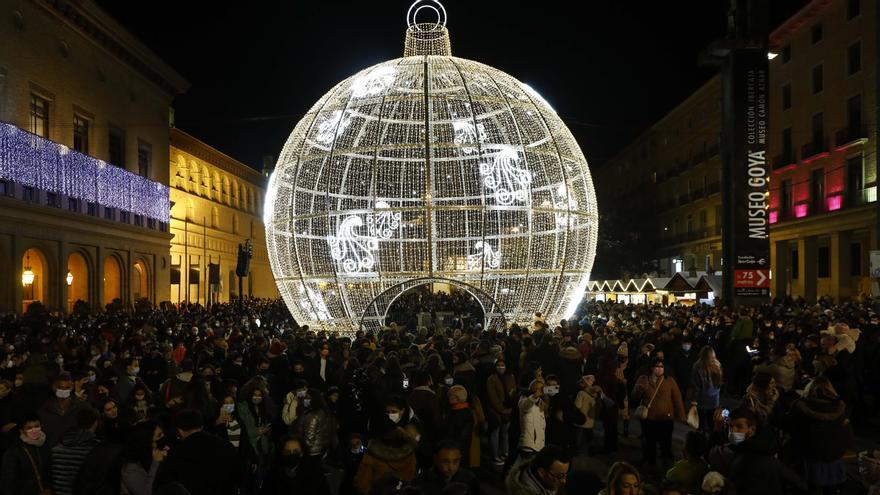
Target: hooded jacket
[
  {"x": 393, "y": 454},
  {"x": 522, "y": 481},
  {"x": 823, "y": 433}
]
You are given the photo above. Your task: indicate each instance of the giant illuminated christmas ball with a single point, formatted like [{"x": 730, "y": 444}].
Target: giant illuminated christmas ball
[{"x": 430, "y": 168}]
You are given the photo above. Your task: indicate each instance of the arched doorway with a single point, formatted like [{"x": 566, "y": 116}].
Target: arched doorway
[
  {"x": 140, "y": 286},
  {"x": 377, "y": 311},
  {"x": 435, "y": 305},
  {"x": 34, "y": 277},
  {"x": 112, "y": 279},
  {"x": 77, "y": 279}
]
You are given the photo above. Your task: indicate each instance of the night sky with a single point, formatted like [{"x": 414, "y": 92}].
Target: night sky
[{"x": 609, "y": 68}]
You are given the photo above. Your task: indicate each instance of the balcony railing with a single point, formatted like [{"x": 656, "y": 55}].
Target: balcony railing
[
  {"x": 784, "y": 160},
  {"x": 850, "y": 134},
  {"x": 814, "y": 148},
  {"x": 35, "y": 162}
]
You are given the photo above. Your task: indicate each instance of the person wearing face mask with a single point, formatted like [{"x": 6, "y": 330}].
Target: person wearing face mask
[
  {"x": 316, "y": 428},
  {"x": 500, "y": 387},
  {"x": 227, "y": 423},
  {"x": 128, "y": 377},
  {"x": 26, "y": 463},
  {"x": 749, "y": 459},
  {"x": 532, "y": 421},
  {"x": 293, "y": 408},
  {"x": 291, "y": 474},
  {"x": 137, "y": 405},
  {"x": 661, "y": 399},
  {"x": 256, "y": 413},
  {"x": 58, "y": 414}
]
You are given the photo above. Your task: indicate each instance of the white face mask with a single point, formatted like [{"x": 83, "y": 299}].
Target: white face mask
[
  {"x": 686, "y": 347},
  {"x": 394, "y": 417},
  {"x": 736, "y": 437},
  {"x": 135, "y": 371},
  {"x": 551, "y": 390},
  {"x": 449, "y": 381},
  {"x": 229, "y": 408},
  {"x": 62, "y": 394}
]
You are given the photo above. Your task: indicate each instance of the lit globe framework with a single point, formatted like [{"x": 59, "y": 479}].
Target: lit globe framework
[{"x": 430, "y": 168}]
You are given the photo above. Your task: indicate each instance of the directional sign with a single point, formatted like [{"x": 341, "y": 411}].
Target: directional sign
[{"x": 751, "y": 278}]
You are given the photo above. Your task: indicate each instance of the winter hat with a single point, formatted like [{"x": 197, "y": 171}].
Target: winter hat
[{"x": 458, "y": 392}]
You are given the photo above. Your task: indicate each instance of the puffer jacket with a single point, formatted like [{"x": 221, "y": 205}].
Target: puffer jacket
[
  {"x": 532, "y": 424},
  {"x": 317, "y": 429},
  {"x": 823, "y": 431},
  {"x": 393, "y": 454}
]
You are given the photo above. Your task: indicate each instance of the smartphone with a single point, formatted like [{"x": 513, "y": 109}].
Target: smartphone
[
  {"x": 725, "y": 413},
  {"x": 406, "y": 383},
  {"x": 751, "y": 351}
]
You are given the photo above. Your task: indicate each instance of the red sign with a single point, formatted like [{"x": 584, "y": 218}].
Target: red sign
[{"x": 751, "y": 278}]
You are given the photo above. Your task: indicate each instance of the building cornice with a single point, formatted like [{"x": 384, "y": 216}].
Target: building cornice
[
  {"x": 809, "y": 13},
  {"x": 95, "y": 25},
  {"x": 185, "y": 142}
]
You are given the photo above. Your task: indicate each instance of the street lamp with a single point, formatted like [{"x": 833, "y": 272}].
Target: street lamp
[
  {"x": 27, "y": 277},
  {"x": 69, "y": 278}
]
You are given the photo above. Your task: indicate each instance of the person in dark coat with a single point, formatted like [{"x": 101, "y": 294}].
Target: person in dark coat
[
  {"x": 753, "y": 467},
  {"x": 58, "y": 414},
  {"x": 821, "y": 434},
  {"x": 291, "y": 475},
  {"x": 204, "y": 464},
  {"x": 425, "y": 404},
  {"x": 446, "y": 471},
  {"x": 26, "y": 462},
  {"x": 459, "y": 424}
]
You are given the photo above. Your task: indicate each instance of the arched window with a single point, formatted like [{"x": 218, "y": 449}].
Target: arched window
[
  {"x": 140, "y": 286},
  {"x": 34, "y": 277},
  {"x": 112, "y": 279},
  {"x": 77, "y": 279}
]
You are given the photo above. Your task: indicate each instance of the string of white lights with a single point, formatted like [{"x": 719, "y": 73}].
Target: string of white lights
[{"x": 430, "y": 167}]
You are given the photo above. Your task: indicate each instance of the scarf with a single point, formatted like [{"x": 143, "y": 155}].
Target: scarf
[{"x": 35, "y": 443}]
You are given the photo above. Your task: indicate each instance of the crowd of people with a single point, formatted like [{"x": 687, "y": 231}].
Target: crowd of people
[{"x": 229, "y": 400}]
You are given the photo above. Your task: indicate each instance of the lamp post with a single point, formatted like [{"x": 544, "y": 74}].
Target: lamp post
[{"x": 27, "y": 276}]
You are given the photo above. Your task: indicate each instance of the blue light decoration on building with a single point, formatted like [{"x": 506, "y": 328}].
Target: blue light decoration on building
[{"x": 33, "y": 161}]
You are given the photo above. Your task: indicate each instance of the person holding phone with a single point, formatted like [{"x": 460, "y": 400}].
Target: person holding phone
[{"x": 533, "y": 422}]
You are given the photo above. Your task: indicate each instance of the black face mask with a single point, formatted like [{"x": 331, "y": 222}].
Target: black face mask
[{"x": 290, "y": 461}]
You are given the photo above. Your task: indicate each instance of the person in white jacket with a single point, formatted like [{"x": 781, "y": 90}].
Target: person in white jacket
[
  {"x": 532, "y": 420},
  {"x": 292, "y": 401}
]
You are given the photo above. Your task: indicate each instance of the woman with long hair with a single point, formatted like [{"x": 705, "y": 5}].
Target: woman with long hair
[
  {"x": 623, "y": 479},
  {"x": 706, "y": 381},
  {"x": 255, "y": 414},
  {"x": 141, "y": 459}
]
